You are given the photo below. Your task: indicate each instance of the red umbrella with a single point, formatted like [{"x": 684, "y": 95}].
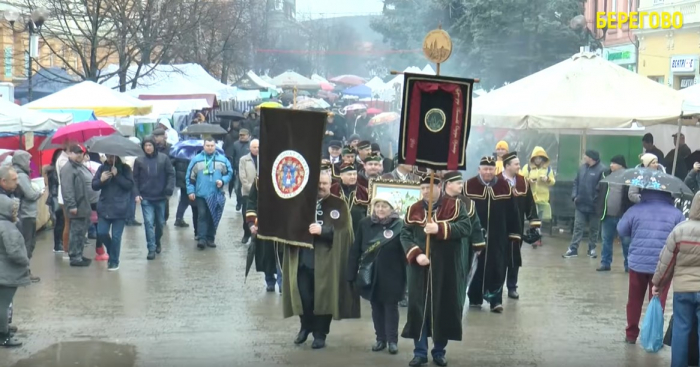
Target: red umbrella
[
  {"x": 374, "y": 111},
  {"x": 82, "y": 131},
  {"x": 327, "y": 86},
  {"x": 349, "y": 80}
]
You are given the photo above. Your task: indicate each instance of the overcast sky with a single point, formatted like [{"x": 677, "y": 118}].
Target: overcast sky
[{"x": 337, "y": 7}]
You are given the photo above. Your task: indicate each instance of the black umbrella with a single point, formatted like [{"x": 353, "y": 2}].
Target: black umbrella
[
  {"x": 230, "y": 115},
  {"x": 114, "y": 144},
  {"x": 650, "y": 179},
  {"x": 48, "y": 145},
  {"x": 204, "y": 129}
]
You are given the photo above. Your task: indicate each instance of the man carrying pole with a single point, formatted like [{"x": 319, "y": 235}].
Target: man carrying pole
[{"x": 436, "y": 314}]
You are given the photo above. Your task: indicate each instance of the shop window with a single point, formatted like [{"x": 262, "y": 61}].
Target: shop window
[{"x": 686, "y": 82}]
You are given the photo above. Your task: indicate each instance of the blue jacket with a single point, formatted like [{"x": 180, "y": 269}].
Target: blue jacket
[
  {"x": 585, "y": 190},
  {"x": 649, "y": 223},
  {"x": 203, "y": 172},
  {"x": 115, "y": 193}
]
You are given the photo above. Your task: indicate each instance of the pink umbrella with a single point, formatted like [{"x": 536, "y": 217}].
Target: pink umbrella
[
  {"x": 374, "y": 111},
  {"x": 82, "y": 131},
  {"x": 349, "y": 80},
  {"x": 327, "y": 86}
]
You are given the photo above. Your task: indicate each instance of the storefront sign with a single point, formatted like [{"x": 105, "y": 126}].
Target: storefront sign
[
  {"x": 8, "y": 62},
  {"x": 683, "y": 64},
  {"x": 621, "y": 55}
]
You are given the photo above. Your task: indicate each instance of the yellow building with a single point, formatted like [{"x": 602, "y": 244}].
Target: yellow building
[
  {"x": 670, "y": 56},
  {"x": 15, "y": 57}
]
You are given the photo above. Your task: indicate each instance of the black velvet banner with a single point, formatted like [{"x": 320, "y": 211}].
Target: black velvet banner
[
  {"x": 289, "y": 170},
  {"x": 435, "y": 121}
]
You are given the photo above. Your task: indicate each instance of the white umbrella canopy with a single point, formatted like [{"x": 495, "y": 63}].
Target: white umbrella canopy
[
  {"x": 583, "y": 92},
  {"x": 290, "y": 79}
]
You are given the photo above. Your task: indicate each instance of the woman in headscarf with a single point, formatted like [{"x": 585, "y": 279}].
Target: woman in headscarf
[{"x": 379, "y": 258}]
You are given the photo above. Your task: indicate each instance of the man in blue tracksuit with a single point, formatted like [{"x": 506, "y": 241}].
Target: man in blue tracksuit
[
  {"x": 207, "y": 174},
  {"x": 154, "y": 179}
]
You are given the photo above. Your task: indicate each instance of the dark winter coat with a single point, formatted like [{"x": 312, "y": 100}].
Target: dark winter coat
[
  {"x": 180, "y": 166},
  {"x": 585, "y": 190},
  {"x": 154, "y": 177},
  {"x": 115, "y": 193},
  {"x": 14, "y": 263},
  {"x": 389, "y": 278}
]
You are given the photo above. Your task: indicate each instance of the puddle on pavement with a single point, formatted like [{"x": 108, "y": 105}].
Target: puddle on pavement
[{"x": 82, "y": 354}]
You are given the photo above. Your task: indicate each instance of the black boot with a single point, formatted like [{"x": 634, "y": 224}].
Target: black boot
[
  {"x": 201, "y": 244},
  {"x": 158, "y": 249},
  {"x": 302, "y": 336},
  {"x": 151, "y": 255},
  {"x": 319, "y": 342},
  {"x": 393, "y": 348},
  {"x": 181, "y": 223},
  {"x": 440, "y": 361},
  {"x": 513, "y": 294},
  {"x": 379, "y": 346}
]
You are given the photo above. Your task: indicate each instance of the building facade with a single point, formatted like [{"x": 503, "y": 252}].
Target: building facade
[
  {"x": 670, "y": 56},
  {"x": 619, "y": 45}
]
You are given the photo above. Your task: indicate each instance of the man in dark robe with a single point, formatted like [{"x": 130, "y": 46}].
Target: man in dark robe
[
  {"x": 314, "y": 283},
  {"x": 452, "y": 186},
  {"x": 355, "y": 196},
  {"x": 436, "y": 293},
  {"x": 522, "y": 192},
  {"x": 267, "y": 254},
  {"x": 348, "y": 156},
  {"x": 498, "y": 214},
  {"x": 373, "y": 169},
  {"x": 364, "y": 149}
]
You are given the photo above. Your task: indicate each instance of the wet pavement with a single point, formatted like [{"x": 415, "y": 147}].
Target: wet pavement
[{"x": 193, "y": 308}]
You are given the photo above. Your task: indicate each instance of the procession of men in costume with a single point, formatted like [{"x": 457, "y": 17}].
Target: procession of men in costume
[{"x": 481, "y": 218}]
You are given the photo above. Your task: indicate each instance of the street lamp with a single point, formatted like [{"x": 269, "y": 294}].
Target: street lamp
[{"x": 33, "y": 26}]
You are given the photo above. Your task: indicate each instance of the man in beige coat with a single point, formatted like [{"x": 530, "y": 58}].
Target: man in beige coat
[{"x": 247, "y": 172}]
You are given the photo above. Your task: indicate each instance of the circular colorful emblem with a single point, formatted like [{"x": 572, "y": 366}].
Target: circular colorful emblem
[
  {"x": 335, "y": 214},
  {"x": 435, "y": 120},
  {"x": 388, "y": 233},
  {"x": 290, "y": 174}
]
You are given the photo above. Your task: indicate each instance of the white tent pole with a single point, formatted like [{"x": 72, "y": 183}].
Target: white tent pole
[{"x": 678, "y": 144}]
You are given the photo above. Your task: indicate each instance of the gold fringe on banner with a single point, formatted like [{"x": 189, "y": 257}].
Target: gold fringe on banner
[{"x": 286, "y": 242}]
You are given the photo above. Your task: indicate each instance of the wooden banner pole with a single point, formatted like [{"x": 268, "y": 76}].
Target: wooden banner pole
[{"x": 430, "y": 212}]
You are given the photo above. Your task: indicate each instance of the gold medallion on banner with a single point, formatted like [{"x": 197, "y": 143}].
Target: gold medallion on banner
[{"x": 437, "y": 46}]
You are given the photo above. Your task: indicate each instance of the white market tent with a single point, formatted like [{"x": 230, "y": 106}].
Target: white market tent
[
  {"x": 375, "y": 84},
  {"x": 290, "y": 79},
  {"x": 14, "y": 118},
  {"x": 692, "y": 99},
  {"x": 266, "y": 78},
  {"x": 583, "y": 92},
  {"x": 162, "y": 77},
  {"x": 320, "y": 79},
  {"x": 88, "y": 95},
  {"x": 259, "y": 81}
]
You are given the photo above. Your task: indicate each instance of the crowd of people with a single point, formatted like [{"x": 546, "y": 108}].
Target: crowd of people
[{"x": 363, "y": 247}]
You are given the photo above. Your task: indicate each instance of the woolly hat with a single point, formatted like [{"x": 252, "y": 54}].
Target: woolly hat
[
  {"x": 502, "y": 145},
  {"x": 619, "y": 159},
  {"x": 593, "y": 154},
  {"x": 648, "y": 158}
]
